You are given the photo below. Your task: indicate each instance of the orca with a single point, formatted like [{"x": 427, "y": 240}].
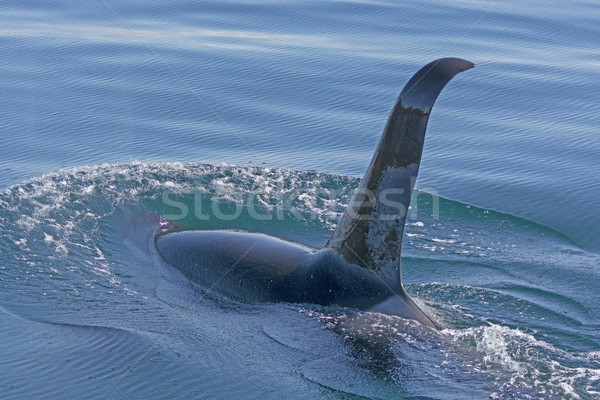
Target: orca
[{"x": 359, "y": 267}]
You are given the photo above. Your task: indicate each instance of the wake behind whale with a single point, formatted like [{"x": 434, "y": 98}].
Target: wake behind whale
[{"x": 360, "y": 265}]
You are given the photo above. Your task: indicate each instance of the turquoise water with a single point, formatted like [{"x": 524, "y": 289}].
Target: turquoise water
[{"x": 274, "y": 109}]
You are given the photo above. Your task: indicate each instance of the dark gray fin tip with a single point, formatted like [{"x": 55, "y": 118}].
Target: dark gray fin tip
[{"x": 424, "y": 87}]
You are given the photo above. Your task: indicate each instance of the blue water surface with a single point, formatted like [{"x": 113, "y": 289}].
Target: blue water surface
[{"x": 278, "y": 106}]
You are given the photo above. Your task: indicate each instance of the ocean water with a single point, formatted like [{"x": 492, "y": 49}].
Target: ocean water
[{"x": 263, "y": 116}]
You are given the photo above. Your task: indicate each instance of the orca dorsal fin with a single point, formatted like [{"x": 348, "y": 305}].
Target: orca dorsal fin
[{"x": 371, "y": 230}]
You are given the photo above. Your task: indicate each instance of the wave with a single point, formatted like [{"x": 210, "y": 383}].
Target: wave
[{"x": 69, "y": 276}]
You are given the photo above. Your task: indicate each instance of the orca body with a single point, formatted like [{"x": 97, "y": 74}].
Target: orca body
[{"x": 360, "y": 265}]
